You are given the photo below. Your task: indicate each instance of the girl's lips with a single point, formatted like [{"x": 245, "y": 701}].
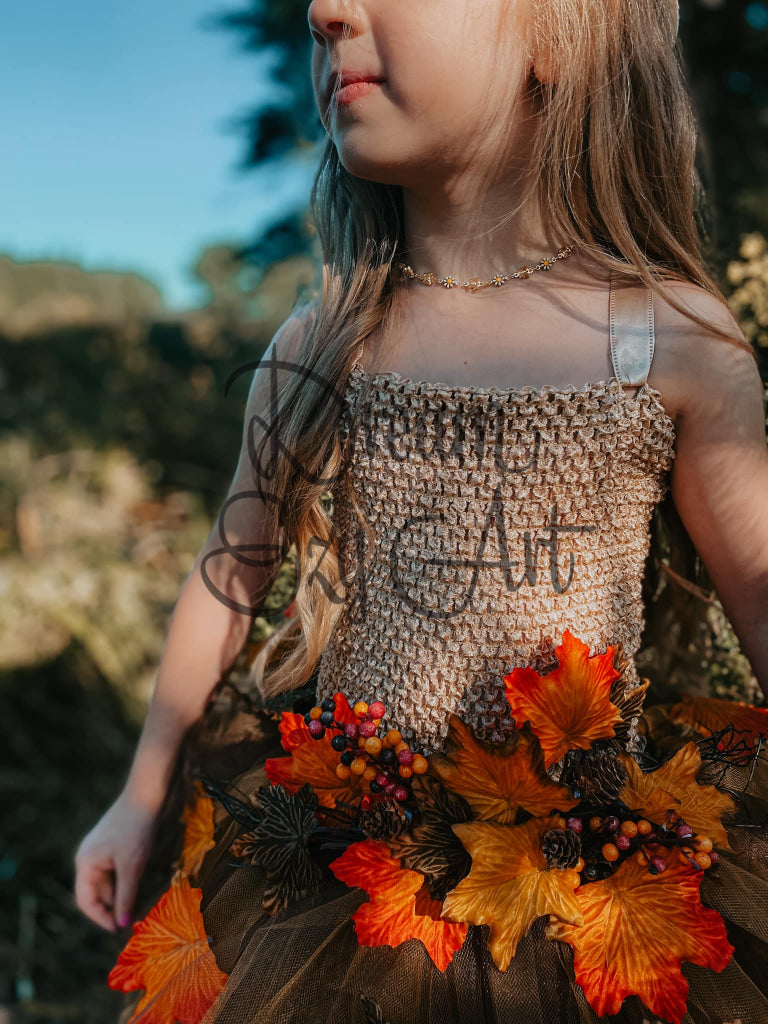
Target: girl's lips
[{"x": 354, "y": 91}]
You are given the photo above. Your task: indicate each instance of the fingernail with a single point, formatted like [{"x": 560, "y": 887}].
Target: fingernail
[{"x": 124, "y": 920}]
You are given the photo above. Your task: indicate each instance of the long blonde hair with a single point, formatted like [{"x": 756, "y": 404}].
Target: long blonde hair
[{"x": 614, "y": 153}]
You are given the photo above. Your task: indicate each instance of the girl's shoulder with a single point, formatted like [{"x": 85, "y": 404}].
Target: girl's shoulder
[
  {"x": 290, "y": 334},
  {"x": 693, "y": 365},
  {"x": 287, "y": 340},
  {"x": 280, "y": 359},
  {"x": 698, "y": 300}
]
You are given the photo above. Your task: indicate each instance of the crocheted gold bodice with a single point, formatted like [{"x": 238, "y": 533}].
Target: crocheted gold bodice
[{"x": 498, "y": 517}]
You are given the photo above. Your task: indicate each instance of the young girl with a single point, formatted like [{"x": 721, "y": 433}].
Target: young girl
[{"x": 517, "y": 352}]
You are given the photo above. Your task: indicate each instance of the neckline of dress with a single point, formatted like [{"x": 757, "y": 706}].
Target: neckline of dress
[{"x": 645, "y": 390}]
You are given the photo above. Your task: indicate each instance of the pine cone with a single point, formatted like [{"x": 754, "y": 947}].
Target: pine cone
[
  {"x": 384, "y": 819},
  {"x": 628, "y": 701},
  {"x": 595, "y": 777},
  {"x": 561, "y": 847}
]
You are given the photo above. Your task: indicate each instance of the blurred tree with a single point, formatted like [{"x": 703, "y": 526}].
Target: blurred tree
[
  {"x": 278, "y": 128},
  {"x": 748, "y": 276},
  {"x": 41, "y": 293},
  {"x": 725, "y": 43},
  {"x": 256, "y": 282},
  {"x": 222, "y": 271}
]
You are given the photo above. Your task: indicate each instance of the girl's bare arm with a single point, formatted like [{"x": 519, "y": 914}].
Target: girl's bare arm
[
  {"x": 215, "y": 609},
  {"x": 719, "y": 481},
  {"x": 208, "y": 627},
  {"x": 203, "y": 640}
]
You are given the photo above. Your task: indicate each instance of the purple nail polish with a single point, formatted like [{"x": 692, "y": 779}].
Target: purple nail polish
[{"x": 124, "y": 920}]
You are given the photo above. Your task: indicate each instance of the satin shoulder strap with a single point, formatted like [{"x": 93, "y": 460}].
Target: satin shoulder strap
[{"x": 632, "y": 332}]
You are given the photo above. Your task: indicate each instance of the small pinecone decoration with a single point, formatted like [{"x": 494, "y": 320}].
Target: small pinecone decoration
[
  {"x": 384, "y": 819},
  {"x": 561, "y": 847},
  {"x": 595, "y": 777}
]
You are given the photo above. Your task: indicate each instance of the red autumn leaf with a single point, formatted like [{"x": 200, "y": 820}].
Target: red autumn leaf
[
  {"x": 400, "y": 907},
  {"x": 638, "y": 928},
  {"x": 198, "y": 834},
  {"x": 293, "y": 728},
  {"x": 710, "y": 714},
  {"x": 169, "y": 957},
  {"x": 497, "y": 779},
  {"x": 569, "y": 707}
]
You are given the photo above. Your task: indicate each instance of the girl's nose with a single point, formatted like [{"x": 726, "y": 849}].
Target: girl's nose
[{"x": 332, "y": 20}]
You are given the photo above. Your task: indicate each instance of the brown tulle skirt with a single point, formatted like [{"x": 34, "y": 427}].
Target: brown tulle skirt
[{"x": 304, "y": 963}]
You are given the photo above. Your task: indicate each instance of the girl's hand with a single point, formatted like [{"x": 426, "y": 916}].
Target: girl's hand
[{"x": 110, "y": 860}]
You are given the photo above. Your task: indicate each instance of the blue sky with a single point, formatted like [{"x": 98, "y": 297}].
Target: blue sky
[{"x": 116, "y": 147}]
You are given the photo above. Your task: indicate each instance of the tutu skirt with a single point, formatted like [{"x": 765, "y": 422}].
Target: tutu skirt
[
  {"x": 306, "y": 964},
  {"x": 302, "y": 953}
]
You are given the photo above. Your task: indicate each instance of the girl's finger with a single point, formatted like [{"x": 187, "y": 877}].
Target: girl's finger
[
  {"x": 93, "y": 889},
  {"x": 125, "y": 893}
]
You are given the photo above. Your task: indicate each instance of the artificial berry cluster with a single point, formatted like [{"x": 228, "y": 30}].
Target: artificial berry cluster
[
  {"x": 380, "y": 756},
  {"x": 609, "y": 838}
]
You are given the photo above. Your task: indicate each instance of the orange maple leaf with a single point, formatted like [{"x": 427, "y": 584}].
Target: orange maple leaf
[
  {"x": 710, "y": 714},
  {"x": 400, "y": 907},
  {"x": 314, "y": 761},
  {"x": 294, "y": 731},
  {"x": 674, "y": 785},
  {"x": 637, "y": 930},
  {"x": 168, "y": 955},
  {"x": 198, "y": 833},
  {"x": 498, "y": 779},
  {"x": 510, "y": 883},
  {"x": 569, "y": 707}
]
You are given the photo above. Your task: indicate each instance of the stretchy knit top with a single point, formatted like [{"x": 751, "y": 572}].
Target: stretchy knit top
[{"x": 498, "y": 517}]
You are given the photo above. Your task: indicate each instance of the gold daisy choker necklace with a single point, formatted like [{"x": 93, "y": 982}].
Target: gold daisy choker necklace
[{"x": 475, "y": 284}]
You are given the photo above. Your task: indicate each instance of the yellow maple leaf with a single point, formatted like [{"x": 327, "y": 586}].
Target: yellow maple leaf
[
  {"x": 510, "y": 883},
  {"x": 498, "y": 779},
  {"x": 637, "y": 929},
  {"x": 674, "y": 786},
  {"x": 569, "y": 707}
]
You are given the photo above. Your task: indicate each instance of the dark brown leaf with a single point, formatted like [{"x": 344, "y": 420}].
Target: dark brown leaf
[
  {"x": 278, "y": 845},
  {"x": 431, "y": 846}
]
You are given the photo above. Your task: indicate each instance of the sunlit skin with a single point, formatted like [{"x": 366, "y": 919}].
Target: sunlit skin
[
  {"x": 427, "y": 128},
  {"x": 423, "y": 127},
  {"x": 420, "y": 130}
]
